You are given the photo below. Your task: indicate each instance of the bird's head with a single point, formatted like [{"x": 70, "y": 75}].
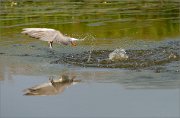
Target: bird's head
[{"x": 73, "y": 41}]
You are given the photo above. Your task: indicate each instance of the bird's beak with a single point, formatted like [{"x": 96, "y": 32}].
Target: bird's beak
[{"x": 73, "y": 43}]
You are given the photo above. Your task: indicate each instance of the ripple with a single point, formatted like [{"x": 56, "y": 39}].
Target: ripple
[
  {"x": 137, "y": 59},
  {"x": 96, "y": 24}
]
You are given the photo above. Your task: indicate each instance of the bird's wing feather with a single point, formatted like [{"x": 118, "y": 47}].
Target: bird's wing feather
[
  {"x": 43, "y": 34},
  {"x": 59, "y": 38}
]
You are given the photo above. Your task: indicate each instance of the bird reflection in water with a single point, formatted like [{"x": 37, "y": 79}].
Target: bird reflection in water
[{"x": 53, "y": 87}]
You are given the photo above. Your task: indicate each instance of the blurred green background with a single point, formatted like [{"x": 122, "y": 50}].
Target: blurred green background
[{"x": 106, "y": 20}]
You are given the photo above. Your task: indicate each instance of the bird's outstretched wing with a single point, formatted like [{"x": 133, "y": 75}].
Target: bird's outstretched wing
[{"x": 44, "y": 34}]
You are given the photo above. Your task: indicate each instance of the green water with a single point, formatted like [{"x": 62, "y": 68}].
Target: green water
[{"x": 107, "y": 21}]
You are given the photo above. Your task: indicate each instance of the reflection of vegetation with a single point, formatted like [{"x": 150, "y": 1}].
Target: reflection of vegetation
[{"x": 155, "y": 19}]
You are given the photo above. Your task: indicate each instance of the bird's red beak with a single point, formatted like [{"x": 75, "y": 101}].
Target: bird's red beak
[{"x": 73, "y": 43}]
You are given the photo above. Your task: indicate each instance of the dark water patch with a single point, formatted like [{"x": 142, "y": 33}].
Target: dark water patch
[
  {"x": 2, "y": 53},
  {"x": 137, "y": 59}
]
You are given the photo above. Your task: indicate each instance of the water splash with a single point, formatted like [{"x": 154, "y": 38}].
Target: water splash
[
  {"x": 118, "y": 54},
  {"x": 129, "y": 59}
]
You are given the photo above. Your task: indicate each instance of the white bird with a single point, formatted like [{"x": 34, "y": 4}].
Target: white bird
[{"x": 50, "y": 35}]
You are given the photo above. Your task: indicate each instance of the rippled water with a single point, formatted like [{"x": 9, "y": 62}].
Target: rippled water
[
  {"x": 147, "y": 84},
  {"x": 137, "y": 59}
]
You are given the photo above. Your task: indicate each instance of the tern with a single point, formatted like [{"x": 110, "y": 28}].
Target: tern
[{"x": 49, "y": 35}]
